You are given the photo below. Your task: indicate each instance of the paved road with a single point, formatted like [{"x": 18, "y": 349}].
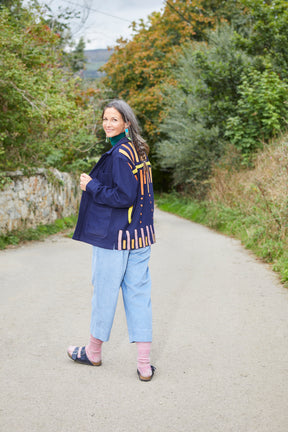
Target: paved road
[{"x": 220, "y": 341}]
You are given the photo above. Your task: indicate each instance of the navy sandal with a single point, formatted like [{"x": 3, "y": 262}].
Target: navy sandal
[
  {"x": 83, "y": 358},
  {"x": 146, "y": 379}
]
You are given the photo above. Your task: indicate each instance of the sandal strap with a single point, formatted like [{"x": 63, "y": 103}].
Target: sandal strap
[
  {"x": 75, "y": 353},
  {"x": 83, "y": 355}
]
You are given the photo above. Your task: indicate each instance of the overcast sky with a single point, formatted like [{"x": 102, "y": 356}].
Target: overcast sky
[{"x": 103, "y": 22}]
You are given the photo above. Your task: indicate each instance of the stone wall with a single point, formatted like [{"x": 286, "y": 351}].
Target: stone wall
[{"x": 28, "y": 201}]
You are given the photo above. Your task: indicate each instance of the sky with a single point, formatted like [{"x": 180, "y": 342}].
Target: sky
[{"x": 103, "y": 22}]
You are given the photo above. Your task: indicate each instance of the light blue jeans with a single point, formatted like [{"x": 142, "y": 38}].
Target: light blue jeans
[{"x": 128, "y": 269}]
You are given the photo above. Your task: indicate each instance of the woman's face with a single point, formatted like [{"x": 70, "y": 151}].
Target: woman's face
[{"x": 113, "y": 123}]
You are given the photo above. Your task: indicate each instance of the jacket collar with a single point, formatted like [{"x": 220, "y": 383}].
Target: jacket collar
[{"x": 123, "y": 140}]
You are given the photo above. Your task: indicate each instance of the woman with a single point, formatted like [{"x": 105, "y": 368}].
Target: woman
[{"x": 116, "y": 217}]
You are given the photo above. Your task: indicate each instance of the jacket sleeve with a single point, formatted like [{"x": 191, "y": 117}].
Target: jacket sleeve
[{"x": 122, "y": 193}]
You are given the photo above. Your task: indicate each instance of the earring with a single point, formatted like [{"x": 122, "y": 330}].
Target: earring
[
  {"x": 127, "y": 134},
  {"x": 107, "y": 139}
]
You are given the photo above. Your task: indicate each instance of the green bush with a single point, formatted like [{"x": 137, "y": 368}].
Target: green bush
[
  {"x": 206, "y": 94},
  {"x": 262, "y": 110},
  {"x": 47, "y": 117},
  {"x": 266, "y": 37}
]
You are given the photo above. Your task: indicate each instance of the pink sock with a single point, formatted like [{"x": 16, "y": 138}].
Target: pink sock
[
  {"x": 93, "y": 349},
  {"x": 143, "y": 359}
]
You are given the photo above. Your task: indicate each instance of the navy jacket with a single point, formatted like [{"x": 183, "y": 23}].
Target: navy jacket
[{"x": 116, "y": 210}]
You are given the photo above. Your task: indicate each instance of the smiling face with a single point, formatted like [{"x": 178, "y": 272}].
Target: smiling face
[{"x": 113, "y": 123}]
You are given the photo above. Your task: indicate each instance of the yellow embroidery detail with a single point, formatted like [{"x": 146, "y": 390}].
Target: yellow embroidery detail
[
  {"x": 130, "y": 214},
  {"x": 125, "y": 154},
  {"x": 137, "y": 167},
  {"x": 130, "y": 151}
]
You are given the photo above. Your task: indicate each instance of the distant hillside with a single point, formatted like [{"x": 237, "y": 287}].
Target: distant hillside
[{"x": 95, "y": 59}]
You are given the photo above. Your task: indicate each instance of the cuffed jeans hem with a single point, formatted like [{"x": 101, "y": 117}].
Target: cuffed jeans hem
[
  {"x": 104, "y": 336},
  {"x": 141, "y": 336}
]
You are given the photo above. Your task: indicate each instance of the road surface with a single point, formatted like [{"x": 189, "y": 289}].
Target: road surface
[{"x": 220, "y": 341}]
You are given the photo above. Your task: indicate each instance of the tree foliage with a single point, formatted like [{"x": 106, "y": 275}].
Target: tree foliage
[
  {"x": 268, "y": 35},
  {"x": 46, "y": 117},
  {"x": 261, "y": 112},
  {"x": 232, "y": 91},
  {"x": 77, "y": 56},
  {"x": 205, "y": 96},
  {"x": 200, "y": 75},
  {"x": 139, "y": 67}
]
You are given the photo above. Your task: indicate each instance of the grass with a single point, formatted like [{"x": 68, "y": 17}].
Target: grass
[{"x": 18, "y": 237}]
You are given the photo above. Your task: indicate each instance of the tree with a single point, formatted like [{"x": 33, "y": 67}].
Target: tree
[
  {"x": 10, "y": 4},
  {"x": 138, "y": 68},
  {"x": 208, "y": 79},
  {"x": 261, "y": 111},
  {"x": 77, "y": 56},
  {"x": 59, "y": 20},
  {"x": 46, "y": 116},
  {"x": 268, "y": 35}
]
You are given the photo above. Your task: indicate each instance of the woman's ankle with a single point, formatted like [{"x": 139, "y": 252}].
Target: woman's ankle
[
  {"x": 94, "y": 349},
  {"x": 143, "y": 358}
]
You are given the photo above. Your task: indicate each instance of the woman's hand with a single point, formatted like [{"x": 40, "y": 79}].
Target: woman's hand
[{"x": 84, "y": 180}]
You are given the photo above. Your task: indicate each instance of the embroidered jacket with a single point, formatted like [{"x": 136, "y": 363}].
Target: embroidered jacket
[{"x": 117, "y": 208}]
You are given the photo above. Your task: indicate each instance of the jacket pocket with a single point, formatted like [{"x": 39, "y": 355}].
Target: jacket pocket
[
  {"x": 98, "y": 220},
  {"x": 105, "y": 177}
]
